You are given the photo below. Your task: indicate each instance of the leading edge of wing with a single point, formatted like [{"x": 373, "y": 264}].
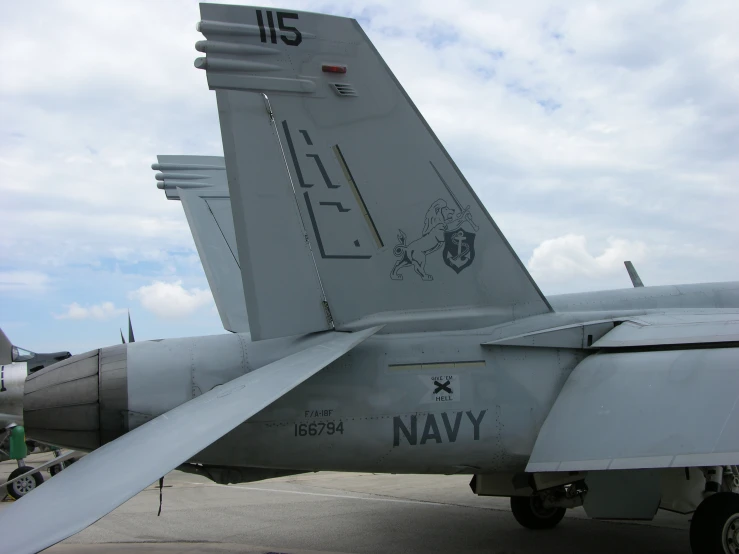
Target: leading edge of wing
[{"x": 129, "y": 464}]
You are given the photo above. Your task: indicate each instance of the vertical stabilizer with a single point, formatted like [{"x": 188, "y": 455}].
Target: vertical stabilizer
[
  {"x": 633, "y": 275},
  {"x": 322, "y": 142},
  {"x": 199, "y": 182},
  {"x": 6, "y": 349}
]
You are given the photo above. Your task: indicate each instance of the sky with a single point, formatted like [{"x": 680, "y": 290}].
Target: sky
[{"x": 593, "y": 133}]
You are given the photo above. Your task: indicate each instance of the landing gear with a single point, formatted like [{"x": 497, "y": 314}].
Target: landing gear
[
  {"x": 530, "y": 512},
  {"x": 53, "y": 470},
  {"x": 715, "y": 525},
  {"x": 23, "y": 486}
]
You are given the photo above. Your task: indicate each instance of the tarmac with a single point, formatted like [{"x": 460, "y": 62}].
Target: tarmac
[{"x": 342, "y": 513}]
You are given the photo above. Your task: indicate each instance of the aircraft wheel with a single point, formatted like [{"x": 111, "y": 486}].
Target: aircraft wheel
[
  {"x": 529, "y": 512},
  {"x": 53, "y": 470},
  {"x": 715, "y": 525},
  {"x": 23, "y": 486}
]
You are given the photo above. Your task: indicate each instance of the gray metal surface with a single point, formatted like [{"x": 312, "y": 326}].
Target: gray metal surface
[
  {"x": 199, "y": 182},
  {"x": 205, "y": 174},
  {"x": 155, "y": 448},
  {"x": 672, "y": 329},
  {"x": 643, "y": 409},
  {"x": 6, "y": 349},
  {"x": 164, "y": 374},
  {"x": 703, "y": 295},
  {"x": 60, "y": 403},
  {"x": 574, "y": 335},
  {"x": 625, "y": 494},
  {"x": 393, "y": 225},
  {"x": 281, "y": 286},
  {"x": 12, "y": 381},
  {"x": 633, "y": 275},
  {"x": 382, "y": 386},
  {"x": 113, "y": 392}
]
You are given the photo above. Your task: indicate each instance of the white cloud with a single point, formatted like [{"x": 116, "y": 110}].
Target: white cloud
[
  {"x": 103, "y": 311},
  {"x": 23, "y": 281},
  {"x": 171, "y": 300},
  {"x": 567, "y": 257}
]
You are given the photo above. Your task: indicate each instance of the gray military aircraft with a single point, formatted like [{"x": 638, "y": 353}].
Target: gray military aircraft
[
  {"x": 381, "y": 322},
  {"x": 16, "y": 364}
]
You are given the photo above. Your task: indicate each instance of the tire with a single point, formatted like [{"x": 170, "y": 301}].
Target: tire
[
  {"x": 24, "y": 486},
  {"x": 715, "y": 525},
  {"x": 53, "y": 470},
  {"x": 528, "y": 512}
]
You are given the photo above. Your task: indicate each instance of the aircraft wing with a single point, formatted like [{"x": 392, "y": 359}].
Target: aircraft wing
[
  {"x": 124, "y": 467},
  {"x": 655, "y": 330},
  {"x": 648, "y": 407}
]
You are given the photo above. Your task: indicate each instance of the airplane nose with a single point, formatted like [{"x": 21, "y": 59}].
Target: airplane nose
[
  {"x": 12, "y": 379},
  {"x": 79, "y": 403}
]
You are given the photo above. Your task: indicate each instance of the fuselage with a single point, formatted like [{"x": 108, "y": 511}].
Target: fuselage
[{"x": 438, "y": 402}]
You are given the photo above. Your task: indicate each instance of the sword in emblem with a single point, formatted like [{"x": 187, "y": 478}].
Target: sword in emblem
[{"x": 464, "y": 212}]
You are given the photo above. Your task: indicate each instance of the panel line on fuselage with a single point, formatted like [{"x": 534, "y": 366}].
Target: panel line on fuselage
[{"x": 437, "y": 365}]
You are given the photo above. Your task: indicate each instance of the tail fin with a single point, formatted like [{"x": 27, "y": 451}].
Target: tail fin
[
  {"x": 321, "y": 141},
  {"x": 633, "y": 275},
  {"x": 6, "y": 349},
  {"x": 199, "y": 182}
]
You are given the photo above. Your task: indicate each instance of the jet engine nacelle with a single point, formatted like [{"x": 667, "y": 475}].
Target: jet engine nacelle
[{"x": 90, "y": 399}]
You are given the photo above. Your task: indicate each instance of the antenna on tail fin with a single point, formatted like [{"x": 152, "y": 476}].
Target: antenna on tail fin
[{"x": 633, "y": 275}]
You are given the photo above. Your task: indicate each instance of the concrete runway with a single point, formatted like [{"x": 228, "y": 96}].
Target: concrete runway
[{"x": 331, "y": 513}]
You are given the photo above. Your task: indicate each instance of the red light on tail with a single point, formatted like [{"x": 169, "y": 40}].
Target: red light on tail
[{"x": 333, "y": 68}]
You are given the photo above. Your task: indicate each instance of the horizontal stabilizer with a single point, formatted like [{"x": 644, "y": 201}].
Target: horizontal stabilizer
[
  {"x": 122, "y": 468},
  {"x": 347, "y": 208},
  {"x": 199, "y": 182},
  {"x": 631, "y": 410}
]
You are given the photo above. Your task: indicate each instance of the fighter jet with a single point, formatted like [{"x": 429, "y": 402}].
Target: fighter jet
[
  {"x": 16, "y": 364},
  {"x": 391, "y": 327}
]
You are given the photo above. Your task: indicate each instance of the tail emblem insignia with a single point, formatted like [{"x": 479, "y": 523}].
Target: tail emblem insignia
[
  {"x": 441, "y": 228},
  {"x": 459, "y": 249}
]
